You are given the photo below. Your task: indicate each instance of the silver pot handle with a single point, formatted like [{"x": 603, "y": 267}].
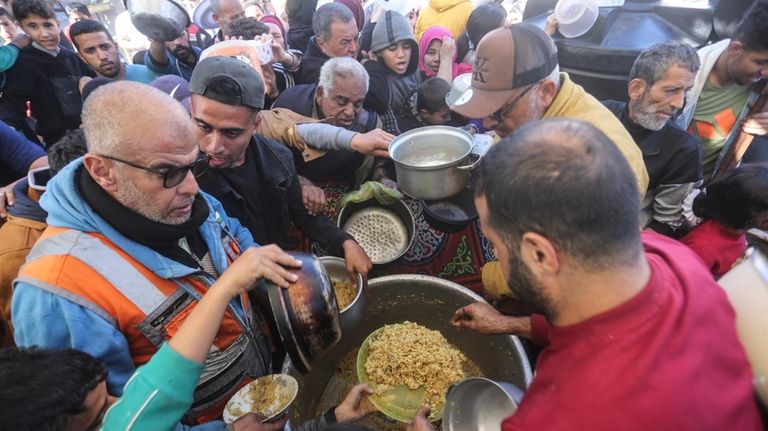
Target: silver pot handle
[{"x": 472, "y": 164}]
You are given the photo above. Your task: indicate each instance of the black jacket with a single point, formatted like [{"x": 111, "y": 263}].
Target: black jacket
[
  {"x": 313, "y": 60},
  {"x": 279, "y": 193},
  {"x": 50, "y": 84}
]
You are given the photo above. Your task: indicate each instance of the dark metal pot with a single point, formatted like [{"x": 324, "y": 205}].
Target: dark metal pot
[
  {"x": 306, "y": 313},
  {"x": 452, "y": 214},
  {"x": 429, "y": 301},
  {"x": 161, "y": 20},
  {"x": 432, "y": 162}
]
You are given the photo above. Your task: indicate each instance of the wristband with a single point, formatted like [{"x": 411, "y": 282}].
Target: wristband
[{"x": 330, "y": 416}]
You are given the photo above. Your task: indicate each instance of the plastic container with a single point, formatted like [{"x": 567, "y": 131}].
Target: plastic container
[{"x": 575, "y": 17}]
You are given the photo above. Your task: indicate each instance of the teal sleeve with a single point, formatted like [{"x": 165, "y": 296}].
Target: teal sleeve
[
  {"x": 8, "y": 55},
  {"x": 157, "y": 395}
]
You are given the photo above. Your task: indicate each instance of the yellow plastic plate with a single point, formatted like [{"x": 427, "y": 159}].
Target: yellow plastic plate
[{"x": 400, "y": 403}]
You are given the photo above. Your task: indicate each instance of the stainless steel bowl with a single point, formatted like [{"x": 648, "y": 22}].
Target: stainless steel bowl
[
  {"x": 429, "y": 301},
  {"x": 479, "y": 404},
  {"x": 162, "y": 20},
  {"x": 352, "y": 313}
]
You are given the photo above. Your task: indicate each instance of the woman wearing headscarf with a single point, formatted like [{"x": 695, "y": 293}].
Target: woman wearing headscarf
[
  {"x": 437, "y": 55},
  {"x": 356, "y": 6}
]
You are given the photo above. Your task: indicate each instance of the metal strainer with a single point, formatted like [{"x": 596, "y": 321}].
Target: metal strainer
[{"x": 385, "y": 232}]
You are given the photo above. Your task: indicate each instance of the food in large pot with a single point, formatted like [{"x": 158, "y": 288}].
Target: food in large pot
[
  {"x": 432, "y": 162},
  {"x": 428, "y": 301}
]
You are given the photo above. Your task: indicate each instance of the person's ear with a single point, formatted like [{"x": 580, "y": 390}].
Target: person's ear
[
  {"x": 257, "y": 121},
  {"x": 735, "y": 49},
  {"x": 539, "y": 254},
  {"x": 546, "y": 93},
  {"x": 423, "y": 113},
  {"x": 319, "y": 94},
  {"x": 102, "y": 170},
  {"x": 636, "y": 88}
]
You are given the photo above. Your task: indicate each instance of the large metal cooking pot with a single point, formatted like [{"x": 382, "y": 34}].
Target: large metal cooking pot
[
  {"x": 161, "y": 20},
  {"x": 429, "y": 301},
  {"x": 432, "y": 162}
]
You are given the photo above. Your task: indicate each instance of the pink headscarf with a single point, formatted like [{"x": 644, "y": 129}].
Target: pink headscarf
[{"x": 437, "y": 33}]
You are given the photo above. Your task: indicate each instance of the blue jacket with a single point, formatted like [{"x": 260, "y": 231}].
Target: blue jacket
[{"x": 54, "y": 322}]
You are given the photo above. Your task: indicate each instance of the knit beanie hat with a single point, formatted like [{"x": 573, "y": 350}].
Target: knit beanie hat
[{"x": 392, "y": 28}]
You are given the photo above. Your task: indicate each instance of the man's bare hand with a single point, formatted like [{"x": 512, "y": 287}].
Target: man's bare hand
[
  {"x": 7, "y": 198},
  {"x": 485, "y": 319},
  {"x": 356, "y": 404},
  {"x": 252, "y": 422},
  {"x": 420, "y": 421},
  {"x": 374, "y": 143},
  {"x": 21, "y": 41},
  {"x": 255, "y": 263},
  {"x": 356, "y": 259},
  {"x": 756, "y": 124},
  {"x": 312, "y": 197}
]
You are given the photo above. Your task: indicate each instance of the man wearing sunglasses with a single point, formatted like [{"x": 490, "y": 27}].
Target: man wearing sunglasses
[
  {"x": 516, "y": 80},
  {"x": 133, "y": 245}
]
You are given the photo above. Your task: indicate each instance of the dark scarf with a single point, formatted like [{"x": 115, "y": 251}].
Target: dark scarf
[{"x": 160, "y": 237}]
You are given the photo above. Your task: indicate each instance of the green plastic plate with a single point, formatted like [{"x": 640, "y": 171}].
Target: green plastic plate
[{"x": 399, "y": 403}]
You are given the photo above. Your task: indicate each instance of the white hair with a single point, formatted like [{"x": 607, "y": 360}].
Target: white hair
[{"x": 341, "y": 67}]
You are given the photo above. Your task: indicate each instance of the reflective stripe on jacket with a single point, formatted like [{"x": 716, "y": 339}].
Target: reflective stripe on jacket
[{"x": 91, "y": 271}]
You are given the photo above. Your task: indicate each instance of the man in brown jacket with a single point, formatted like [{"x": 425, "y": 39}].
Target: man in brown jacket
[{"x": 26, "y": 222}]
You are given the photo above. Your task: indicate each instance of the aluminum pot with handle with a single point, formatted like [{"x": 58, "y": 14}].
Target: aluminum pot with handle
[
  {"x": 160, "y": 20},
  {"x": 433, "y": 162}
]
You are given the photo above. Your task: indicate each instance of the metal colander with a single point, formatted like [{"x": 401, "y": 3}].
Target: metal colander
[{"x": 385, "y": 232}]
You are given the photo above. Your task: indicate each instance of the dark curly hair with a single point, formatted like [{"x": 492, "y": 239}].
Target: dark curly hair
[
  {"x": 247, "y": 28},
  {"x": 68, "y": 148},
  {"x": 736, "y": 198},
  {"x": 42, "y": 389}
]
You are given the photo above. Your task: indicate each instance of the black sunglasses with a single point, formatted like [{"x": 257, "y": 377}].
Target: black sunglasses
[
  {"x": 498, "y": 116},
  {"x": 174, "y": 176}
]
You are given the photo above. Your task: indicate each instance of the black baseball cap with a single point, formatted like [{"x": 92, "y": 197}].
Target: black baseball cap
[{"x": 248, "y": 88}]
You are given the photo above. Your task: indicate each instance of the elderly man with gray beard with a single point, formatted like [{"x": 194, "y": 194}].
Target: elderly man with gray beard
[{"x": 658, "y": 81}]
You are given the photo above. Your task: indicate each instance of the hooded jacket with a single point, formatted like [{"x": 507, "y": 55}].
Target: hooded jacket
[
  {"x": 451, "y": 14},
  {"x": 300, "y": 29},
  {"x": 389, "y": 91},
  {"x": 438, "y": 33},
  {"x": 52, "y": 321}
]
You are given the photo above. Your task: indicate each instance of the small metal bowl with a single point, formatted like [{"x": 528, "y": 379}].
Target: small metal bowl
[
  {"x": 366, "y": 221},
  {"x": 479, "y": 403},
  {"x": 453, "y": 214},
  {"x": 352, "y": 314}
]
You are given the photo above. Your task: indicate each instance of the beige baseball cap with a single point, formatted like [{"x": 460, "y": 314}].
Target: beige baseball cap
[{"x": 507, "y": 59}]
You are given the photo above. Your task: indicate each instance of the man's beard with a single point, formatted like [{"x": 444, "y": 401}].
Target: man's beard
[
  {"x": 522, "y": 283},
  {"x": 644, "y": 114},
  {"x": 181, "y": 52},
  {"x": 137, "y": 201}
]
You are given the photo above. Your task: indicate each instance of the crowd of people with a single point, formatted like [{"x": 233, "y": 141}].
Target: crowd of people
[{"x": 145, "y": 200}]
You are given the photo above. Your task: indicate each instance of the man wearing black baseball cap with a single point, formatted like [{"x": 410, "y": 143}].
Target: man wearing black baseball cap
[
  {"x": 254, "y": 177},
  {"x": 517, "y": 80}
]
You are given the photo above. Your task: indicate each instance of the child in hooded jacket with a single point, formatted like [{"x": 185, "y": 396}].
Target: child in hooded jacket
[{"x": 392, "y": 68}]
